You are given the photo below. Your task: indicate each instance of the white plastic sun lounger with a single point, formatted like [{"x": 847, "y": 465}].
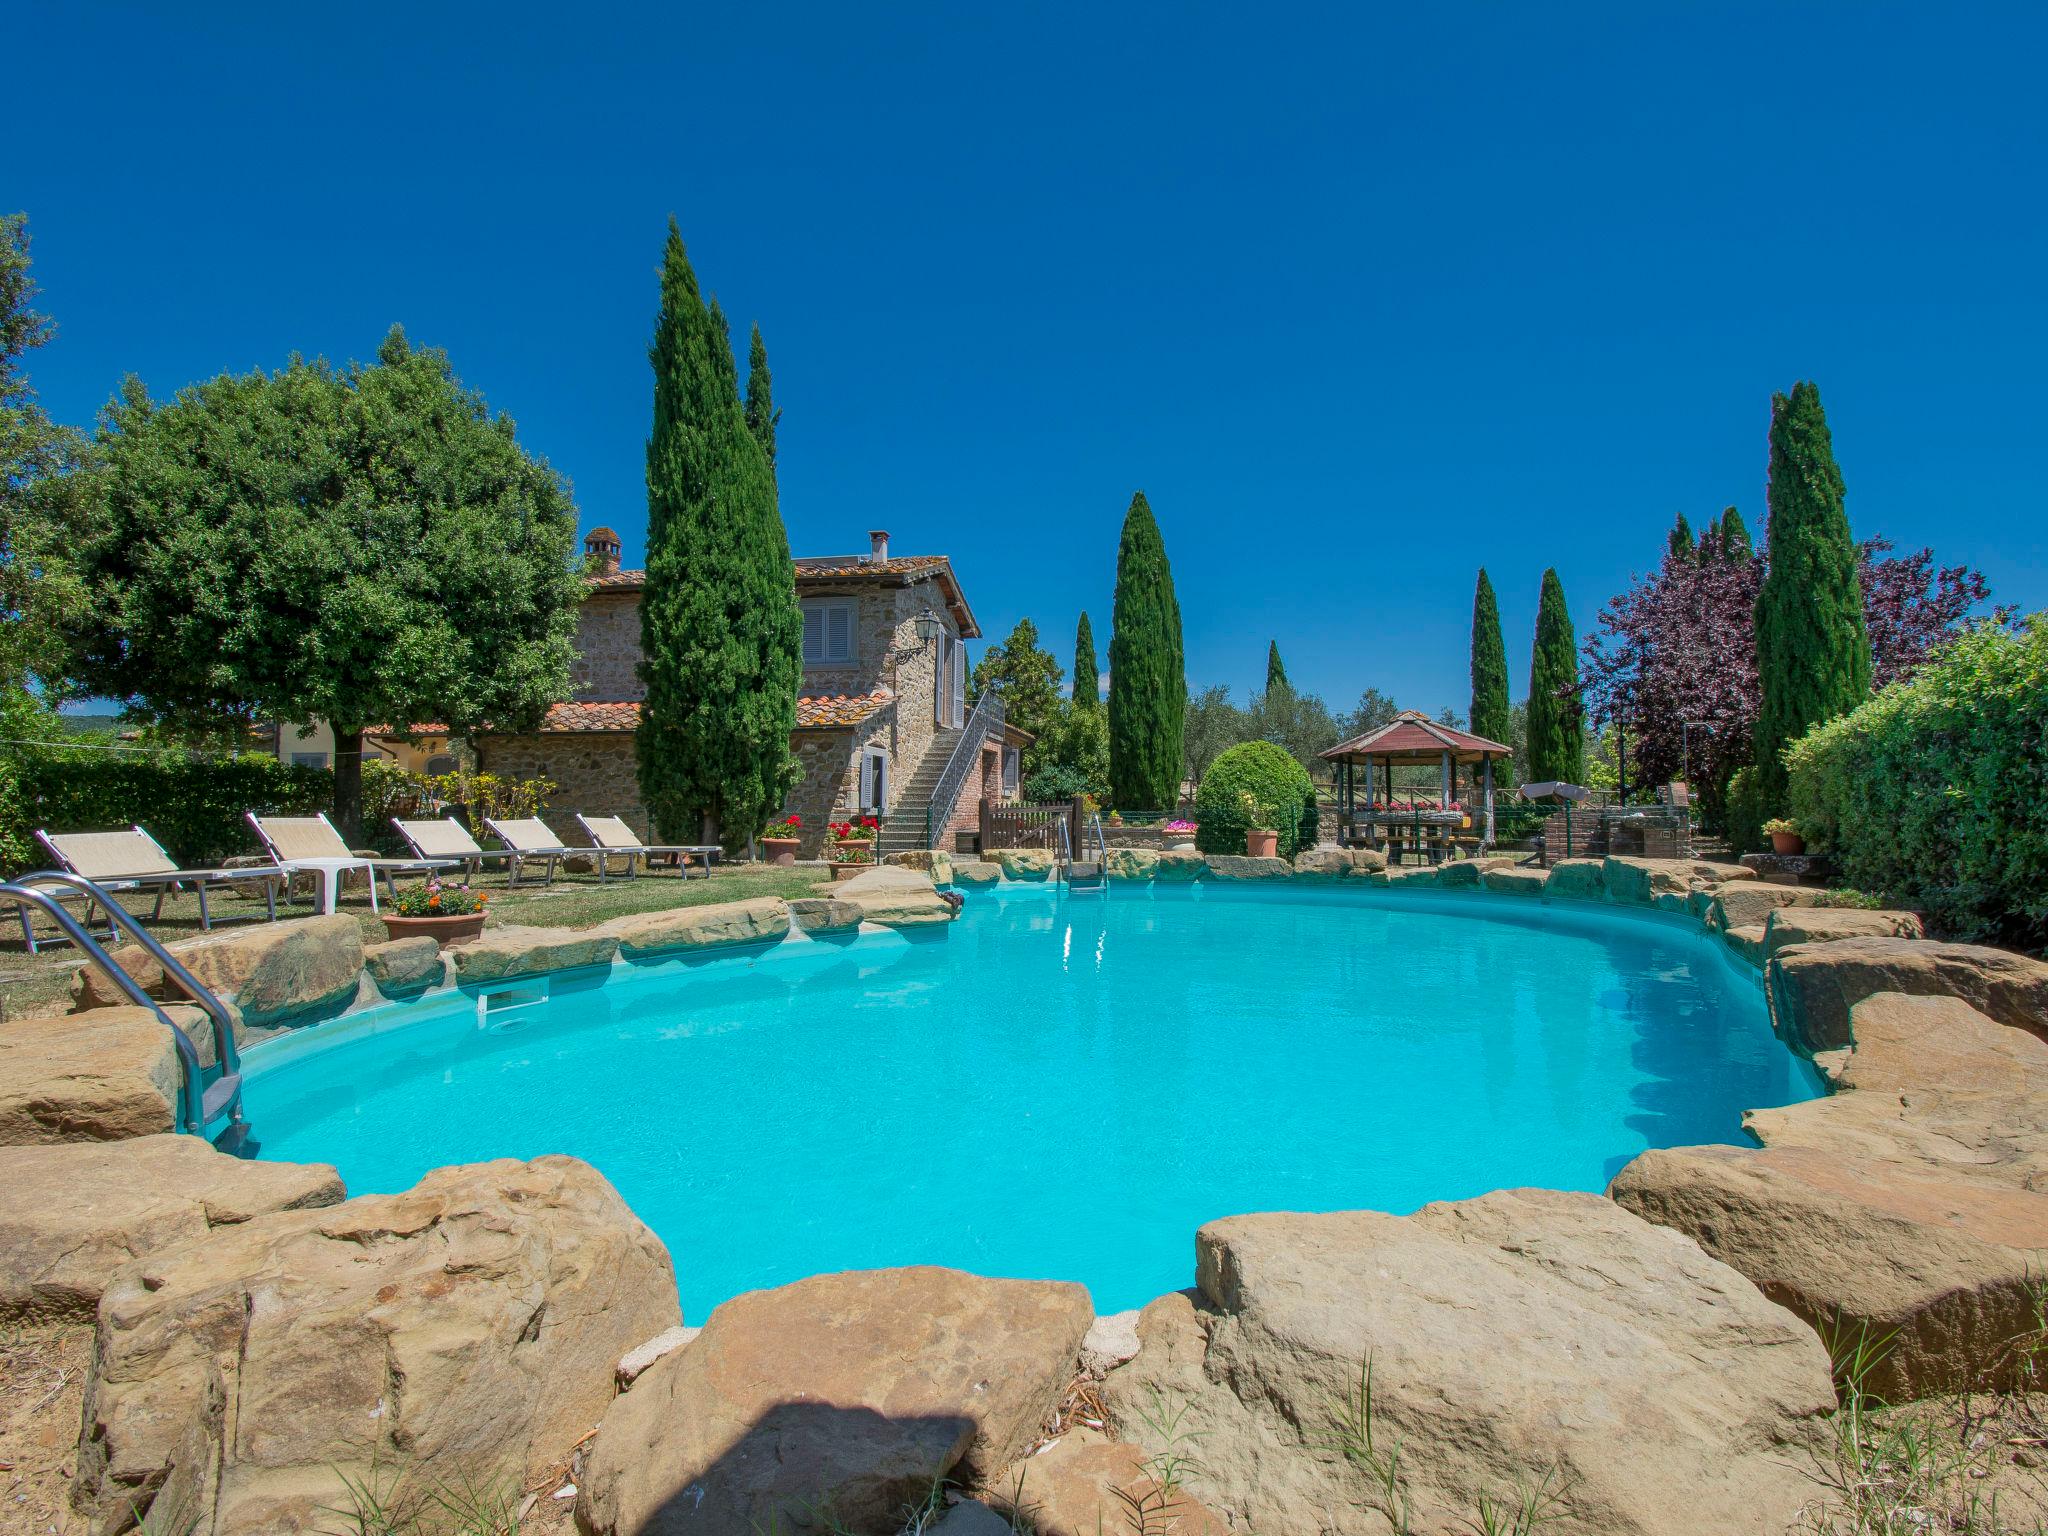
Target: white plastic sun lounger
[
  {"x": 133, "y": 860},
  {"x": 448, "y": 839},
  {"x": 528, "y": 837},
  {"x": 297, "y": 843},
  {"x": 616, "y": 839}
]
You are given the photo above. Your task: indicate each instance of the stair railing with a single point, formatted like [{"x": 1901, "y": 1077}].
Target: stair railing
[
  {"x": 987, "y": 719},
  {"x": 196, "y": 1107}
]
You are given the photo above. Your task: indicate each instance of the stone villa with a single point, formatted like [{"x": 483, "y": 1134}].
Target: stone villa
[{"x": 883, "y": 709}]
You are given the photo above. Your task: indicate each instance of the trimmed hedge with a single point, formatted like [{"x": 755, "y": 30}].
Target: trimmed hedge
[
  {"x": 193, "y": 806},
  {"x": 1274, "y": 778},
  {"x": 1934, "y": 793}
]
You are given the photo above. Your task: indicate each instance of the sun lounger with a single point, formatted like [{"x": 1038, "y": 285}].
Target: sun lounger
[
  {"x": 614, "y": 837},
  {"x": 527, "y": 838},
  {"x": 448, "y": 839},
  {"x": 133, "y": 860},
  {"x": 310, "y": 843}
]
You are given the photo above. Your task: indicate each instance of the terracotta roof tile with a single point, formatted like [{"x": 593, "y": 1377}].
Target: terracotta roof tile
[
  {"x": 832, "y": 710},
  {"x": 1413, "y": 732},
  {"x": 841, "y": 568},
  {"x": 591, "y": 717},
  {"x": 828, "y": 712}
]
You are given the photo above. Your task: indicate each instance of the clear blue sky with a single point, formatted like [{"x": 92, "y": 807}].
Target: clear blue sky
[{"x": 1362, "y": 298}]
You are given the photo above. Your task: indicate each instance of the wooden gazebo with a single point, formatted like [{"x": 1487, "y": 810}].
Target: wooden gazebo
[{"x": 1410, "y": 739}]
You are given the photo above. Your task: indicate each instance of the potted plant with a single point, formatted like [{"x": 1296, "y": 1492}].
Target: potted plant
[
  {"x": 1262, "y": 836},
  {"x": 778, "y": 845},
  {"x": 448, "y": 914},
  {"x": 853, "y": 843},
  {"x": 1784, "y": 835}
]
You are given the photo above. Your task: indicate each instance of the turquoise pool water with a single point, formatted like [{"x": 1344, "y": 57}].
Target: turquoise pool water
[{"x": 1062, "y": 1087}]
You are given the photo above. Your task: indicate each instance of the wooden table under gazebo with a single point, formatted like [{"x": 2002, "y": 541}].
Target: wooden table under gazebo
[{"x": 1410, "y": 740}]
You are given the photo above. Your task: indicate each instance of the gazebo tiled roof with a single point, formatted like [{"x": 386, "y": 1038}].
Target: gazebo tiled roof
[{"x": 1413, "y": 737}]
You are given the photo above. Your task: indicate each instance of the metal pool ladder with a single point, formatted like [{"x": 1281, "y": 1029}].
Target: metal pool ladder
[
  {"x": 1089, "y": 874},
  {"x": 200, "y": 1103}
]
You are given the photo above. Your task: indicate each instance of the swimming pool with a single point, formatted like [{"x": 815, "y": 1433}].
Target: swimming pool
[{"x": 1059, "y": 1086}]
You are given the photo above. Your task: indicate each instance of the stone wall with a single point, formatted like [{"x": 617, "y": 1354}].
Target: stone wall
[
  {"x": 828, "y": 786},
  {"x": 607, "y": 649},
  {"x": 595, "y": 772}
]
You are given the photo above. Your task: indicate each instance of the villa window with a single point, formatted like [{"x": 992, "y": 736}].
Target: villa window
[{"x": 828, "y": 633}]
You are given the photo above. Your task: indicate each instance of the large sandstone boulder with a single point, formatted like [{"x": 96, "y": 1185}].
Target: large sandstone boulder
[
  {"x": 935, "y": 862},
  {"x": 896, "y": 898},
  {"x": 98, "y": 1076},
  {"x": 1786, "y": 926},
  {"x": 1515, "y": 880},
  {"x": 465, "y": 1330},
  {"x": 1242, "y": 866},
  {"x": 824, "y": 914},
  {"x": 976, "y": 872},
  {"x": 1523, "y": 1336},
  {"x": 842, "y": 1397},
  {"x": 404, "y": 967},
  {"x": 1132, "y": 863},
  {"x": 71, "y": 1215},
  {"x": 1639, "y": 882},
  {"x": 1181, "y": 864},
  {"x": 1577, "y": 880},
  {"x": 1910, "y": 1208},
  {"x": 1812, "y": 987},
  {"x": 1749, "y": 903},
  {"x": 1338, "y": 863},
  {"x": 275, "y": 974},
  {"x": 1022, "y": 863},
  {"x": 716, "y": 925},
  {"x": 505, "y": 954}
]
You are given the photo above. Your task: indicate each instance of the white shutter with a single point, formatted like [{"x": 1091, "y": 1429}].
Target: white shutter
[
  {"x": 959, "y": 683},
  {"x": 814, "y": 634},
  {"x": 839, "y": 633}
]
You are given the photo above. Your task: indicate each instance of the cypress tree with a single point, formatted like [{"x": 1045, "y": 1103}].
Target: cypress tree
[
  {"x": 1735, "y": 543},
  {"x": 761, "y": 412},
  {"x": 1812, "y": 650},
  {"x": 1276, "y": 673},
  {"x": 1680, "y": 542},
  {"x": 721, "y": 635},
  {"x": 1148, "y": 690},
  {"x": 1087, "y": 675},
  {"x": 1489, "y": 666},
  {"x": 1557, "y": 747}
]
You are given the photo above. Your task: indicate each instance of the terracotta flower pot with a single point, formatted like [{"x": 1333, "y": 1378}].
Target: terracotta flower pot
[
  {"x": 442, "y": 930},
  {"x": 1262, "y": 843},
  {"x": 1787, "y": 842},
  {"x": 855, "y": 850},
  {"x": 779, "y": 850}
]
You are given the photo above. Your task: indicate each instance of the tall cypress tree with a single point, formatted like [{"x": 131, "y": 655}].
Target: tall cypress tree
[
  {"x": 1557, "y": 726},
  {"x": 1812, "y": 650},
  {"x": 1148, "y": 688},
  {"x": 721, "y": 635},
  {"x": 1680, "y": 542},
  {"x": 1276, "y": 673},
  {"x": 761, "y": 412},
  {"x": 1490, "y": 717},
  {"x": 1087, "y": 675},
  {"x": 1735, "y": 543}
]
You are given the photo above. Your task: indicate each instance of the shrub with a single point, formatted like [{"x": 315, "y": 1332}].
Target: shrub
[
  {"x": 1746, "y": 811},
  {"x": 193, "y": 806},
  {"x": 1272, "y": 779},
  {"x": 1934, "y": 793},
  {"x": 1057, "y": 781}
]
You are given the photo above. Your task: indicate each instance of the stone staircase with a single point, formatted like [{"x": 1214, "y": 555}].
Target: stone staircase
[{"x": 903, "y": 827}]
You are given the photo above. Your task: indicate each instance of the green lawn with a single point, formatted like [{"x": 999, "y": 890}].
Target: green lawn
[{"x": 40, "y": 983}]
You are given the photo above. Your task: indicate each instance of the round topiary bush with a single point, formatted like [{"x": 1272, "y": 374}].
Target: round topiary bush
[{"x": 1271, "y": 778}]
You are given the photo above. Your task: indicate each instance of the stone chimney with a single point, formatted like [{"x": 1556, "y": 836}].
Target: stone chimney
[
  {"x": 878, "y": 545},
  {"x": 602, "y": 546}
]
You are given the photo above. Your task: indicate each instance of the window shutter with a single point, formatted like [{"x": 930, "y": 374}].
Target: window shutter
[
  {"x": 959, "y": 683},
  {"x": 814, "y": 634},
  {"x": 839, "y": 633}
]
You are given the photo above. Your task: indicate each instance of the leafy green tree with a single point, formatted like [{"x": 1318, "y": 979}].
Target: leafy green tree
[
  {"x": 721, "y": 635},
  {"x": 1732, "y": 536},
  {"x": 1300, "y": 724},
  {"x": 1373, "y": 710},
  {"x": 1281, "y": 794},
  {"x": 1211, "y": 724},
  {"x": 40, "y": 593},
  {"x": 1087, "y": 675},
  {"x": 1812, "y": 649},
  {"x": 762, "y": 414},
  {"x": 1680, "y": 542},
  {"x": 1557, "y": 724},
  {"x": 1276, "y": 672},
  {"x": 1080, "y": 745},
  {"x": 376, "y": 548},
  {"x": 1148, "y": 690},
  {"x": 1023, "y": 674},
  {"x": 1489, "y": 665}
]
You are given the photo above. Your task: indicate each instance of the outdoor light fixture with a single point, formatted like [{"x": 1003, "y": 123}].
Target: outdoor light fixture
[{"x": 927, "y": 626}]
